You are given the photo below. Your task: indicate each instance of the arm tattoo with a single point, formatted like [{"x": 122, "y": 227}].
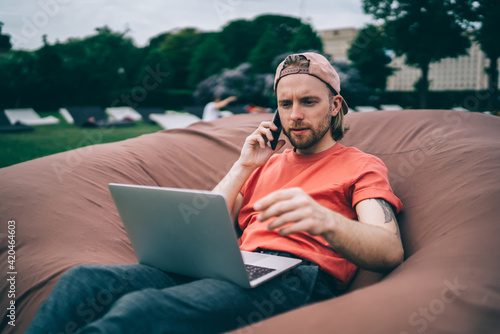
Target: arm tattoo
[{"x": 388, "y": 213}]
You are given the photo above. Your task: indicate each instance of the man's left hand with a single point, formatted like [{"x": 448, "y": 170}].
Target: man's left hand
[{"x": 294, "y": 206}]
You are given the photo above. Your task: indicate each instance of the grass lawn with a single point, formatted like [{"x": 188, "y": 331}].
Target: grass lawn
[{"x": 49, "y": 139}]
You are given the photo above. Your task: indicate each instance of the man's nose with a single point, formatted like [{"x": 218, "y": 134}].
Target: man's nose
[{"x": 297, "y": 113}]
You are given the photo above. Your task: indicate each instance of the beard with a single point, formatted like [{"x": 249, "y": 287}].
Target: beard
[{"x": 315, "y": 135}]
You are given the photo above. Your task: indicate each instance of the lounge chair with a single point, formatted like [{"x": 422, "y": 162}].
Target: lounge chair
[{"x": 28, "y": 116}]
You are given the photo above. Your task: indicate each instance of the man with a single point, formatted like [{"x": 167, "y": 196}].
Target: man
[
  {"x": 212, "y": 110},
  {"x": 325, "y": 203}
]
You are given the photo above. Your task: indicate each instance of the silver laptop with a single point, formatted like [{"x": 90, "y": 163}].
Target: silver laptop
[{"x": 190, "y": 232}]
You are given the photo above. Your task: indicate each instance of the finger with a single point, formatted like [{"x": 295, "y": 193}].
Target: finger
[
  {"x": 256, "y": 139},
  {"x": 262, "y": 142},
  {"x": 267, "y": 125},
  {"x": 303, "y": 226},
  {"x": 287, "y": 218},
  {"x": 277, "y": 209},
  {"x": 274, "y": 197},
  {"x": 266, "y": 132}
]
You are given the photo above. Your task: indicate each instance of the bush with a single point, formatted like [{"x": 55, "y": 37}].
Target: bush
[{"x": 241, "y": 82}]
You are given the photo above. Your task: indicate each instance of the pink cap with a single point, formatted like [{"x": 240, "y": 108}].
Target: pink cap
[{"x": 320, "y": 68}]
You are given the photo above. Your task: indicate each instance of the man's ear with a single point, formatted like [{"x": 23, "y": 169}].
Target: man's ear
[{"x": 336, "y": 105}]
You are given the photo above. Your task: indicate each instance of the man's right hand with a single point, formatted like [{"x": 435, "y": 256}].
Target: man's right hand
[
  {"x": 257, "y": 149},
  {"x": 255, "y": 152}
]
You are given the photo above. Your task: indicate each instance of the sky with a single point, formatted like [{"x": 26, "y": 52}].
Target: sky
[{"x": 26, "y": 21}]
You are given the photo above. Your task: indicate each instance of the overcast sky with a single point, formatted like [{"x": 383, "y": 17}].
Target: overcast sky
[{"x": 28, "y": 20}]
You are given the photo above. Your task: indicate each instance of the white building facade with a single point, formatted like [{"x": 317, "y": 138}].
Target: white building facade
[{"x": 465, "y": 72}]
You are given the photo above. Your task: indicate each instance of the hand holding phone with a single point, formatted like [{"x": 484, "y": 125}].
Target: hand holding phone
[{"x": 276, "y": 134}]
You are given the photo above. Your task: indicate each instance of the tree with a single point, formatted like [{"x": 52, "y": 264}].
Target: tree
[
  {"x": 487, "y": 14},
  {"x": 279, "y": 34},
  {"x": 285, "y": 27},
  {"x": 50, "y": 71},
  {"x": 208, "y": 58},
  {"x": 305, "y": 39},
  {"x": 241, "y": 38},
  {"x": 238, "y": 38},
  {"x": 352, "y": 89},
  {"x": 368, "y": 54},
  {"x": 99, "y": 65},
  {"x": 424, "y": 31},
  {"x": 5, "y": 44},
  {"x": 16, "y": 78},
  {"x": 178, "y": 48},
  {"x": 265, "y": 51}
]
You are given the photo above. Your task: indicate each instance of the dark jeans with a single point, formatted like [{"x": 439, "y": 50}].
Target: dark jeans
[{"x": 135, "y": 298}]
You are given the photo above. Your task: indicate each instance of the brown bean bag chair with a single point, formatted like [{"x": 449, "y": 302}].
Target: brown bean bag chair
[{"x": 444, "y": 165}]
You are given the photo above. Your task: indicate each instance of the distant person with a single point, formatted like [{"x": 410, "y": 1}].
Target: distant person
[{"x": 212, "y": 109}]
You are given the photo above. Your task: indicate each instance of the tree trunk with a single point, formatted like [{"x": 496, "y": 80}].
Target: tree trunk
[
  {"x": 424, "y": 85},
  {"x": 493, "y": 83}
]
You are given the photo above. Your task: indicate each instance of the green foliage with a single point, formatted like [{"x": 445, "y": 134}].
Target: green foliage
[
  {"x": 488, "y": 12},
  {"x": 17, "y": 69},
  {"x": 5, "y": 44},
  {"x": 267, "y": 48},
  {"x": 487, "y": 35},
  {"x": 208, "y": 58},
  {"x": 284, "y": 27},
  {"x": 259, "y": 41},
  {"x": 368, "y": 54},
  {"x": 305, "y": 39},
  {"x": 177, "y": 50},
  {"x": 107, "y": 69},
  {"x": 238, "y": 38}
]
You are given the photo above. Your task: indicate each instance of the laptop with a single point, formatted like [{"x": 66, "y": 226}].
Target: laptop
[{"x": 190, "y": 232}]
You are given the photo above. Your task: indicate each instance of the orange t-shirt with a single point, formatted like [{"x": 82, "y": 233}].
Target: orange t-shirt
[{"x": 337, "y": 178}]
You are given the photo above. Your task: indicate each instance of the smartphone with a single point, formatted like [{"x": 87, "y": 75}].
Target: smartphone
[{"x": 276, "y": 134}]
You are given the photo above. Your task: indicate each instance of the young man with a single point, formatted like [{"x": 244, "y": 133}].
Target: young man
[{"x": 328, "y": 204}]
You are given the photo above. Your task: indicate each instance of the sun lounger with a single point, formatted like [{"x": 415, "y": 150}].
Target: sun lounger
[
  {"x": 28, "y": 116},
  {"x": 365, "y": 108},
  {"x": 174, "y": 120},
  {"x": 146, "y": 111},
  {"x": 93, "y": 116},
  {"x": 390, "y": 107},
  {"x": 123, "y": 114},
  {"x": 66, "y": 115},
  {"x": 7, "y": 126}
]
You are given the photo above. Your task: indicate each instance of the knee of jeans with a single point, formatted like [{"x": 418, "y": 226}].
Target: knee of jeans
[
  {"x": 74, "y": 272},
  {"x": 80, "y": 271},
  {"x": 89, "y": 274}
]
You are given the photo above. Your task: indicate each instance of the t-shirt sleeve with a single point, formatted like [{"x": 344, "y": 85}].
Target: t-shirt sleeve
[{"x": 373, "y": 182}]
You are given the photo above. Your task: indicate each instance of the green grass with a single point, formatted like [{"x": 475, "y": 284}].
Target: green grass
[{"x": 49, "y": 139}]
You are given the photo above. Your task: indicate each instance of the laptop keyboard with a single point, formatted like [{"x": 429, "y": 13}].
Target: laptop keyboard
[{"x": 255, "y": 272}]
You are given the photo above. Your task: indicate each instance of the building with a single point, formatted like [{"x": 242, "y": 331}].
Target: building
[
  {"x": 465, "y": 72},
  {"x": 337, "y": 42}
]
